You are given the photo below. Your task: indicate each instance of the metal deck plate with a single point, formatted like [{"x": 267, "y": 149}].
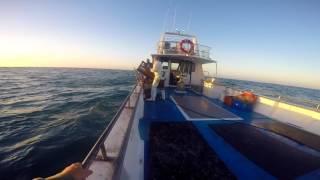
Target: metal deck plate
[
  {"x": 279, "y": 159},
  {"x": 293, "y": 133},
  {"x": 200, "y": 108}
]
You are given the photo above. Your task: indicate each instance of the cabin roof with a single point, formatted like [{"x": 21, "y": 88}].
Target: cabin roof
[
  {"x": 179, "y": 34},
  {"x": 194, "y": 59}
]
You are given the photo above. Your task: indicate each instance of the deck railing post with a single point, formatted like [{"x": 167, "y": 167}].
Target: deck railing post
[
  {"x": 103, "y": 152},
  {"x": 100, "y": 142},
  {"x": 318, "y": 107},
  {"x": 135, "y": 89},
  {"x": 129, "y": 102}
]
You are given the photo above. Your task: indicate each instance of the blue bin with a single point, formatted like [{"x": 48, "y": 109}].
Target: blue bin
[{"x": 238, "y": 104}]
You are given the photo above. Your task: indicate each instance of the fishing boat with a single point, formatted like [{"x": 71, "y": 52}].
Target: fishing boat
[{"x": 202, "y": 129}]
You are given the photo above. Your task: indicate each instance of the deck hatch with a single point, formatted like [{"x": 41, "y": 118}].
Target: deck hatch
[
  {"x": 298, "y": 135},
  {"x": 200, "y": 108},
  {"x": 176, "y": 150},
  {"x": 277, "y": 158}
]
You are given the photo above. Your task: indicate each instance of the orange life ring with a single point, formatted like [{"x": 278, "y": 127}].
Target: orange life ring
[{"x": 183, "y": 49}]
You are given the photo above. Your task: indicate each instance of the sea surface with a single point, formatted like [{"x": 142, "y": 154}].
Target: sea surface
[{"x": 51, "y": 117}]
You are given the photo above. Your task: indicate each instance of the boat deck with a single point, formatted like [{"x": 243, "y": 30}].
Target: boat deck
[{"x": 193, "y": 137}]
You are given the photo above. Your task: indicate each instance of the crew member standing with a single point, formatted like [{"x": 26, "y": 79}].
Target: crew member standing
[
  {"x": 161, "y": 83},
  {"x": 148, "y": 64},
  {"x": 147, "y": 83},
  {"x": 157, "y": 69}
]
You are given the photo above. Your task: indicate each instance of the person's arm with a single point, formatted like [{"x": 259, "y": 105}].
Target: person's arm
[
  {"x": 72, "y": 172},
  {"x": 153, "y": 67}
]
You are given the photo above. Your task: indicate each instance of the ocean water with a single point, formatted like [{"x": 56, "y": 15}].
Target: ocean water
[{"x": 51, "y": 117}]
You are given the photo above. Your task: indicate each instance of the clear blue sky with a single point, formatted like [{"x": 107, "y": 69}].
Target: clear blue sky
[{"x": 262, "y": 40}]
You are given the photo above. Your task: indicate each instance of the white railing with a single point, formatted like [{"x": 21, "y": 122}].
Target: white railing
[
  {"x": 275, "y": 108},
  {"x": 307, "y": 104},
  {"x": 173, "y": 47},
  {"x": 311, "y": 105}
]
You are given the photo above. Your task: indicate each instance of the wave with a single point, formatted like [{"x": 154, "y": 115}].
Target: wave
[{"x": 51, "y": 117}]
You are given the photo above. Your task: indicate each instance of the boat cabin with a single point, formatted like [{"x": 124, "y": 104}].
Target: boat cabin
[{"x": 182, "y": 57}]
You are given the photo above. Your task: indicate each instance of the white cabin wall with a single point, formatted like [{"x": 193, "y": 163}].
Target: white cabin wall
[
  {"x": 197, "y": 76},
  {"x": 167, "y": 74},
  {"x": 216, "y": 92}
]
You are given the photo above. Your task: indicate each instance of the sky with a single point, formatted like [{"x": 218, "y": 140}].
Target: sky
[{"x": 258, "y": 40}]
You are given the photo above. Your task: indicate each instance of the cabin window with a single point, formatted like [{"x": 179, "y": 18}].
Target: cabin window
[
  {"x": 174, "y": 66},
  {"x": 184, "y": 68}
]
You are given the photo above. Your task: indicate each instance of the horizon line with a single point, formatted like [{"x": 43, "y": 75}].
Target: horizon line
[{"x": 126, "y": 69}]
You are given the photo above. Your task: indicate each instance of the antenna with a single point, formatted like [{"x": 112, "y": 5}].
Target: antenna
[
  {"x": 174, "y": 18},
  {"x": 165, "y": 20},
  {"x": 189, "y": 22}
]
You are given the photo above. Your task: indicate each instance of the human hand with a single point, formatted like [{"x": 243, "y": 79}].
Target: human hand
[{"x": 76, "y": 171}]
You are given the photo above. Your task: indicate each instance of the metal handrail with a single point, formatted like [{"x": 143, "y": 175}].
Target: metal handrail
[
  {"x": 172, "y": 47},
  {"x": 177, "y": 42},
  {"x": 126, "y": 140},
  {"x": 316, "y": 109},
  {"x": 95, "y": 149}
]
